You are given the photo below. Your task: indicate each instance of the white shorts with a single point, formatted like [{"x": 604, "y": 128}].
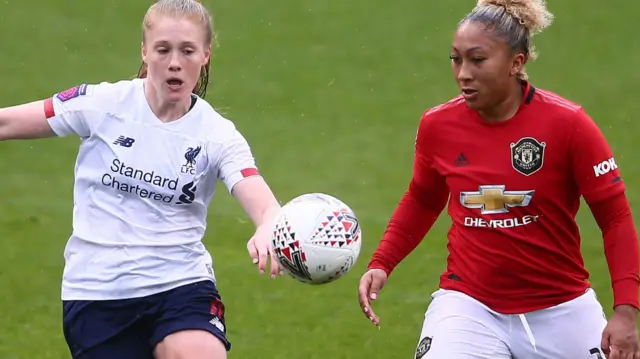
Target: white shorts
[{"x": 456, "y": 326}]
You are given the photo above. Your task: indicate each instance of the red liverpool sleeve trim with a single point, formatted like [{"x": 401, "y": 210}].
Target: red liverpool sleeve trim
[
  {"x": 48, "y": 108},
  {"x": 249, "y": 172},
  {"x": 620, "y": 237}
]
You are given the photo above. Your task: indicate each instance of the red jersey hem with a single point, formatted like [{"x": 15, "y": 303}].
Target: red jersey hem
[{"x": 519, "y": 305}]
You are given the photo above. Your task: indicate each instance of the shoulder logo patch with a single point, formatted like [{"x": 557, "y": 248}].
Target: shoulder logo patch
[
  {"x": 72, "y": 93},
  {"x": 423, "y": 347},
  {"x": 527, "y": 155}
]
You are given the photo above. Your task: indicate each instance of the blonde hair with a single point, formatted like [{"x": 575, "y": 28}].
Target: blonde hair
[
  {"x": 193, "y": 10},
  {"x": 514, "y": 21}
]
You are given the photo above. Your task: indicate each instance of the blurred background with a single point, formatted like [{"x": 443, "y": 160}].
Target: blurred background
[{"x": 329, "y": 94}]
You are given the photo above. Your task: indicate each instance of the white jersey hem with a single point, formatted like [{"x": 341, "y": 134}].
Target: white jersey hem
[{"x": 72, "y": 294}]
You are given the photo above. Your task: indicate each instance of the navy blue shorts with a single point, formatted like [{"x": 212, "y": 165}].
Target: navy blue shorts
[{"x": 131, "y": 328}]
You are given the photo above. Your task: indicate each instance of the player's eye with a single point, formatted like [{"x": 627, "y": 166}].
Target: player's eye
[
  {"x": 478, "y": 59},
  {"x": 163, "y": 50},
  {"x": 455, "y": 59},
  {"x": 188, "y": 51}
]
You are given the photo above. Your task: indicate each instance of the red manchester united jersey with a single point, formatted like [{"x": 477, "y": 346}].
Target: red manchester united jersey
[{"x": 515, "y": 188}]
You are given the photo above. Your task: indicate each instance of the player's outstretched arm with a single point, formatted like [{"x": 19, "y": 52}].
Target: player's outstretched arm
[
  {"x": 238, "y": 170},
  {"x": 260, "y": 204},
  {"x": 28, "y": 121},
  {"x": 257, "y": 200}
]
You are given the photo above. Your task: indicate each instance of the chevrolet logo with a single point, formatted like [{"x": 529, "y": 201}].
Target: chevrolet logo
[{"x": 494, "y": 199}]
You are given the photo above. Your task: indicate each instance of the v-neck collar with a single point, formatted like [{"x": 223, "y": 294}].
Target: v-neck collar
[{"x": 149, "y": 114}]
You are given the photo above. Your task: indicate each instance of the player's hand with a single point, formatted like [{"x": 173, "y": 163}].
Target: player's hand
[
  {"x": 260, "y": 252},
  {"x": 370, "y": 285},
  {"x": 620, "y": 336}
]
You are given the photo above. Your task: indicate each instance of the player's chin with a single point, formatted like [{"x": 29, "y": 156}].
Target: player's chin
[
  {"x": 176, "y": 93},
  {"x": 478, "y": 102},
  {"x": 474, "y": 104}
]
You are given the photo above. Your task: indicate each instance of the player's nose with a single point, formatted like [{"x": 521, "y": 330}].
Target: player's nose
[
  {"x": 174, "y": 64},
  {"x": 464, "y": 74}
]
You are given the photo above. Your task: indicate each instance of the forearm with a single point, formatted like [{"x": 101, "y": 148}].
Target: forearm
[
  {"x": 621, "y": 248},
  {"x": 267, "y": 214},
  {"x": 257, "y": 200},
  {"x": 415, "y": 215},
  {"x": 621, "y": 251}
]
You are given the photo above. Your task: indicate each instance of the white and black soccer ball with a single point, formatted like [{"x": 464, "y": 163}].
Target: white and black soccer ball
[{"x": 316, "y": 238}]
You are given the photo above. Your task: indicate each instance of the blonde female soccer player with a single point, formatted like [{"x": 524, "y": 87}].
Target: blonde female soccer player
[{"x": 138, "y": 281}]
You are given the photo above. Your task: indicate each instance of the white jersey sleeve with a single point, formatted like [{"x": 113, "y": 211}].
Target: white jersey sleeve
[
  {"x": 79, "y": 110},
  {"x": 236, "y": 161}
]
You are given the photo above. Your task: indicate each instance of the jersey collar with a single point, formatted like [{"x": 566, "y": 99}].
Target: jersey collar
[{"x": 529, "y": 91}]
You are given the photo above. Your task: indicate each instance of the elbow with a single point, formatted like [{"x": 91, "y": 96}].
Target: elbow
[
  {"x": 7, "y": 124},
  {"x": 612, "y": 213},
  {"x": 431, "y": 198},
  {"x": 4, "y": 131}
]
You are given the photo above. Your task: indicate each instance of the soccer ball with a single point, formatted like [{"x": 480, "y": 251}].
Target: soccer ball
[{"x": 316, "y": 238}]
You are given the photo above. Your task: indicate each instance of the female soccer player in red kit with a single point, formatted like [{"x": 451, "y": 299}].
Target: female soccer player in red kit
[{"x": 513, "y": 162}]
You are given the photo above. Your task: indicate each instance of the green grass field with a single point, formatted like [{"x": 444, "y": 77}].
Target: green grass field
[{"x": 329, "y": 94}]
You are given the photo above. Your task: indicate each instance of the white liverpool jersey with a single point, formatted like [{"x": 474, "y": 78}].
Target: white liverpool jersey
[{"x": 142, "y": 188}]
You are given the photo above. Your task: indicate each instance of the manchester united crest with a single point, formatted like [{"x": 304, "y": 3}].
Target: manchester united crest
[
  {"x": 527, "y": 155},
  {"x": 423, "y": 347}
]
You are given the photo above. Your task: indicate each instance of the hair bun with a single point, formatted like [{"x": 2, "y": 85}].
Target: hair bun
[{"x": 533, "y": 14}]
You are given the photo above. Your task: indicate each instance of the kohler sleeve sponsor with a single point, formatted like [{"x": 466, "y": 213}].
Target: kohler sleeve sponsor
[{"x": 605, "y": 167}]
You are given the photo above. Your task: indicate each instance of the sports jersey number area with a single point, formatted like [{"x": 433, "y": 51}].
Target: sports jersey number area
[{"x": 147, "y": 163}]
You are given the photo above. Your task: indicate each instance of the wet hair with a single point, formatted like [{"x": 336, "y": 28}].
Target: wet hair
[
  {"x": 193, "y": 10},
  {"x": 514, "y": 22}
]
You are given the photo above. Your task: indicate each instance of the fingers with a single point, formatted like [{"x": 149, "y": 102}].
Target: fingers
[
  {"x": 275, "y": 266},
  {"x": 262, "y": 259},
  {"x": 253, "y": 251},
  {"x": 376, "y": 286},
  {"x": 616, "y": 354},
  {"x": 260, "y": 255},
  {"x": 363, "y": 293},
  {"x": 365, "y": 296},
  {"x": 622, "y": 353}
]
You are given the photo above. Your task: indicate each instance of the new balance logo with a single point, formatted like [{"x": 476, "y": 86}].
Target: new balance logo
[
  {"x": 124, "y": 141},
  {"x": 461, "y": 161}
]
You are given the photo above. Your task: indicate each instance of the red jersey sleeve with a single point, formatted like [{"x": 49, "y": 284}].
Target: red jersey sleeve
[
  {"x": 594, "y": 168},
  {"x": 597, "y": 175},
  {"x": 418, "y": 209}
]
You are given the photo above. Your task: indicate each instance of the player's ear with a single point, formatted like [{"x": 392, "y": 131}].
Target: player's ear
[
  {"x": 207, "y": 54},
  {"x": 517, "y": 63},
  {"x": 143, "y": 52}
]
